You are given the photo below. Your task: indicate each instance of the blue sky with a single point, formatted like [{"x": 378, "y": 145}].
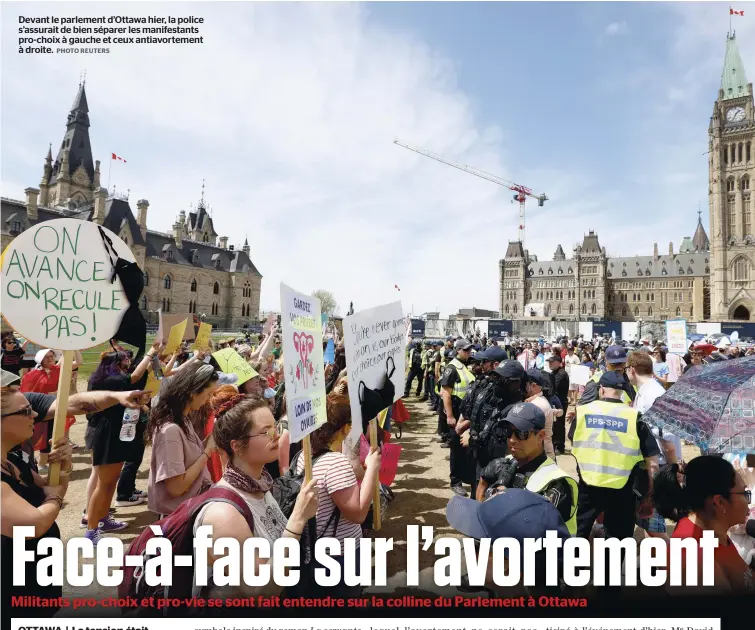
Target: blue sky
[{"x": 289, "y": 112}]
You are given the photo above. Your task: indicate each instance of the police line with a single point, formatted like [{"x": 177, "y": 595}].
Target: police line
[{"x": 504, "y": 561}]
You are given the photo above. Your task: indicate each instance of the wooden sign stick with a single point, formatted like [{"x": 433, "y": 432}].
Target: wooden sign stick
[
  {"x": 377, "y": 521},
  {"x": 307, "y": 448},
  {"x": 59, "y": 426}
]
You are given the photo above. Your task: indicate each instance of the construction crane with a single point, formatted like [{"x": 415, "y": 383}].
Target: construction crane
[{"x": 522, "y": 192}]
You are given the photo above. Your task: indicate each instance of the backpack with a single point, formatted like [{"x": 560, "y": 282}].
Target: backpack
[
  {"x": 286, "y": 488},
  {"x": 178, "y": 528},
  {"x": 416, "y": 359}
]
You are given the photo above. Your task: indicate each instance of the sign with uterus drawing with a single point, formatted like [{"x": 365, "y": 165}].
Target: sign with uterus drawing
[{"x": 303, "y": 362}]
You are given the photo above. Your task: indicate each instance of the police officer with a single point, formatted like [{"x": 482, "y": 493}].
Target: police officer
[
  {"x": 427, "y": 356},
  {"x": 434, "y": 370},
  {"x": 415, "y": 369},
  {"x": 609, "y": 441},
  {"x": 444, "y": 431},
  {"x": 455, "y": 384},
  {"x": 529, "y": 467},
  {"x": 616, "y": 361}
]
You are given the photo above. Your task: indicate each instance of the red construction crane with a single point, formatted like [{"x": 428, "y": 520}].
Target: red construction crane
[{"x": 522, "y": 192}]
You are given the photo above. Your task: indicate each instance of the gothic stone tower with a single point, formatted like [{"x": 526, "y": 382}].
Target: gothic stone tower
[
  {"x": 73, "y": 175},
  {"x": 731, "y": 142}
]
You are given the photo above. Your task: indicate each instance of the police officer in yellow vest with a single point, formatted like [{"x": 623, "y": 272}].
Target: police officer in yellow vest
[
  {"x": 528, "y": 466},
  {"x": 616, "y": 361},
  {"x": 609, "y": 441},
  {"x": 416, "y": 369},
  {"x": 454, "y": 383}
]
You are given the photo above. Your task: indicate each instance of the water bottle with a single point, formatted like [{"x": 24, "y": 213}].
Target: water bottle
[{"x": 128, "y": 428}]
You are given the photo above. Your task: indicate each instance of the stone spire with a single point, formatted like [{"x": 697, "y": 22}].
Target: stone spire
[
  {"x": 559, "y": 255},
  {"x": 76, "y": 140},
  {"x": 246, "y": 248},
  {"x": 700, "y": 240}
]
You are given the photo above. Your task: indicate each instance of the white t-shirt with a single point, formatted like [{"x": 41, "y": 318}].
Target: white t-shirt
[{"x": 646, "y": 396}]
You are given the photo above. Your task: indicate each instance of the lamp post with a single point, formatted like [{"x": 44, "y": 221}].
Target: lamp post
[{"x": 639, "y": 329}]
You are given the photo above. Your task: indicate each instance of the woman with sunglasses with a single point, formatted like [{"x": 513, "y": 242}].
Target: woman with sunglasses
[
  {"x": 27, "y": 500},
  {"x": 708, "y": 494},
  {"x": 245, "y": 430},
  {"x": 178, "y": 468}
]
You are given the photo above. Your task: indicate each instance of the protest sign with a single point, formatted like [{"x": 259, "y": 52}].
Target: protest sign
[
  {"x": 579, "y": 374},
  {"x": 303, "y": 362},
  {"x": 231, "y": 362},
  {"x": 56, "y": 285},
  {"x": 389, "y": 458},
  {"x": 375, "y": 362},
  {"x": 269, "y": 323},
  {"x": 676, "y": 336},
  {"x": 175, "y": 337},
  {"x": 330, "y": 353},
  {"x": 203, "y": 337},
  {"x": 168, "y": 320}
]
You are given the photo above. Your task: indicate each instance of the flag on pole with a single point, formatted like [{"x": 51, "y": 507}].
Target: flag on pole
[
  {"x": 117, "y": 157},
  {"x": 733, "y": 12},
  {"x": 395, "y": 286}
]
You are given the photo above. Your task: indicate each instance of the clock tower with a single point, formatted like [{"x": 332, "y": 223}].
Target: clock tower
[{"x": 731, "y": 145}]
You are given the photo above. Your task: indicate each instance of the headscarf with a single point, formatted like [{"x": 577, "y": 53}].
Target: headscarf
[{"x": 40, "y": 356}]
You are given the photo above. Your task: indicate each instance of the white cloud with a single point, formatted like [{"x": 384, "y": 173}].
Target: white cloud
[{"x": 615, "y": 28}]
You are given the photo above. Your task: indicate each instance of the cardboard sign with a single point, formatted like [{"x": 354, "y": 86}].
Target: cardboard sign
[
  {"x": 676, "y": 336},
  {"x": 303, "y": 362},
  {"x": 203, "y": 337},
  {"x": 374, "y": 345},
  {"x": 231, "y": 362},
  {"x": 168, "y": 320},
  {"x": 153, "y": 384},
  {"x": 330, "y": 353},
  {"x": 389, "y": 457},
  {"x": 56, "y": 285},
  {"x": 175, "y": 337},
  {"x": 579, "y": 375}
]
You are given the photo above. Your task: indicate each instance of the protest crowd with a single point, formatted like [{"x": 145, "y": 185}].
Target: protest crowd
[{"x": 509, "y": 411}]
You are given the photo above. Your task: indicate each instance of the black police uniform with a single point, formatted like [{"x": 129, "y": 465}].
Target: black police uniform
[
  {"x": 415, "y": 370},
  {"x": 459, "y": 468}
]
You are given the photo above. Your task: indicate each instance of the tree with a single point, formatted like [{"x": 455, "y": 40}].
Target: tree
[{"x": 328, "y": 304}]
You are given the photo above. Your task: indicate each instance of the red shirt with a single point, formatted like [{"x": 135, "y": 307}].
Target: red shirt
[
  {"x": 40, "y": 382},
  {"x": 726, "y": 557}
]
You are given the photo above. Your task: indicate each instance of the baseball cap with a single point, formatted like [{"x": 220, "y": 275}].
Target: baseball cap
[
  {"x": 8, "y": 378},
  {"x": 517, "y": 513},
  {"x": 554, "y": 357},
  {"x": 495, "y": 354},
  {"x": 450, "y": 338},
  {"x": 615, "y": 380},
  {"x": 616, "y": 354},
  {"x": 462, "y": 344},
  {"x": 536, "y": 376},
  {"x": 480, "y": 355},
  {"x": 510, "y": 369},
  {"x": 526, "y": 417}
]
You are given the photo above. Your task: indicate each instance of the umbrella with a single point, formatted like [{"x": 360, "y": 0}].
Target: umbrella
[
  {"x": 712, "y": 406},
  {"x": 717, "y": 336}
]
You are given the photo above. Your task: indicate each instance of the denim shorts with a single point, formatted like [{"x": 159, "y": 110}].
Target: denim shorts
[{"x": 656, "y": 524}]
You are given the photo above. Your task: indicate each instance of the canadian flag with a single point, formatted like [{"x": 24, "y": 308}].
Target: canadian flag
[
  {"x": 395, "y": 286},
  {"x": 117, "y": 157},
  {"x": 733, "y": 12}
]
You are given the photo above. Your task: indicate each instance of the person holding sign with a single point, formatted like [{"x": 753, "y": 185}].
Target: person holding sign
[
  {"x": 43, "y": 379},
  {"x": 178, "y": 469},
  {"x": 245, "y": 430},
  {"x": 343, "y": 503}
]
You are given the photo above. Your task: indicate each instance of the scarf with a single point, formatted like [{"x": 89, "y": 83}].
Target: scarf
[{"x": 241, "y": 481}]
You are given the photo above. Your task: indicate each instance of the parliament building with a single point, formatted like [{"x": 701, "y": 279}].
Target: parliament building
[
  {"x": 189, "y": 270},
  {"x": 702, "y": 280}
]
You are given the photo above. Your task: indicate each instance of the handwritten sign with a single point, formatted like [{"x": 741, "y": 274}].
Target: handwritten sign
[
  {"x": 231, "y": 362},
  {"x": 374, "y": 345},
  {"x": 203, "y": 337},
  {"x": 175, "y": 337},
  {"x": 303, "y": 362},
  {"x": 330, "y": 353},
  {"x": 676, "y": 335},
  {"x": 56, "y": 285}
]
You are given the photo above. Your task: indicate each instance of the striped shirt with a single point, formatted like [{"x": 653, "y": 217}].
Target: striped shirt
[{"x": 333, "y": 472}]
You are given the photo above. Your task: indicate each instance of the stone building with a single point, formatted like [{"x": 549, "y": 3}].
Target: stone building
[
  {"x": 190, "y": 270},
  {"x": 702, "y": 281},
  {"x": 731, "y": 146}
]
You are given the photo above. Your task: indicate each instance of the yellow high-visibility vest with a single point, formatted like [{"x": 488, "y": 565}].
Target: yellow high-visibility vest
[
  {"x": 465, "y": 379},
  {"x": 606, "y": 444},
  {"x": 547, "y": 473}
]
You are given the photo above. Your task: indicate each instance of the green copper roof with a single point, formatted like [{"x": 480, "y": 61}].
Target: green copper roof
[{"x": 733, "y": 79}]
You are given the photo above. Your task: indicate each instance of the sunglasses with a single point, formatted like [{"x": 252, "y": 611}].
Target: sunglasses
[
  {"x": 271, "y": 434},
  {"x": 25, "y": 411},
  {"x": 520, "y": 435}
]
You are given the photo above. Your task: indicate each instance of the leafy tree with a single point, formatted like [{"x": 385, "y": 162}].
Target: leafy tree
[{"x": 328, "y": 304}]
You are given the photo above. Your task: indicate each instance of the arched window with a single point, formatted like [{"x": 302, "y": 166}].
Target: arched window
[
  {"x": 144, "y": 302},
  {"x": 205, "y": 238},
  {"x": 247, "y": 292},
  {"x": 558, "y": 310},
  {"x": 730, "y": 186},
  {"x": 610, "y": 311},
  {"x": 593, "y": 294},
  {"x": 624, "y": 311},
  {"x": 146, "y": 279},
  {"x": 216, "y": 289},
  {"x": 163, "y": 304},
  {"x": 650, "y": 311},
  {"x": 167, "y": 308},
  {"x": 740, "y": 152},
  {"x": 637, "y": 311},
  {"x": 745, "y": 183},
  {"x": 584, "y": 309},
  {"x": 678, "y": 311},
  {"x": 214, "y": 309},
  {"x": 593, "y": 309},
  {"x": 748, "y": 156},
  {"x": 741, "y": 269},
  {"x": 516, "y": 310},
  {"x": 506, "y": 309},
  {"x": 166, "y": 281},
  {"x": 194, "y": 285}
]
